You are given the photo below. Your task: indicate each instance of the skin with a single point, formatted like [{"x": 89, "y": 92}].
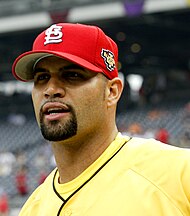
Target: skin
[{"x": 90, "y": 97}]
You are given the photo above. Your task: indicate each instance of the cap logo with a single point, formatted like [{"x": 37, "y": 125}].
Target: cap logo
[
  {"x": 108, "y": 57},
  {"x": 53, "y": 34}
]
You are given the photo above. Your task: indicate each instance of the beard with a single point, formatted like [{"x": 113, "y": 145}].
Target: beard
[{"x": 57, "y": 131}]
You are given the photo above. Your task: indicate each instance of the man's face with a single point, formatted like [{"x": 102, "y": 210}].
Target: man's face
[{"x": 68, "y": 99}]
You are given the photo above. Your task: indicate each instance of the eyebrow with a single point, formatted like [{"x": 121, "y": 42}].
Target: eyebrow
[
  {"x": 73, "y": 66},
  {"x": 67, "y": 67}
]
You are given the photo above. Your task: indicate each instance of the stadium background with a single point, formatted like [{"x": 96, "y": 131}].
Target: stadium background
[{"x": 154, "y": 43}]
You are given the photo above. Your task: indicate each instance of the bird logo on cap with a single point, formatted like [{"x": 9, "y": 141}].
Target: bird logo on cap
[{"x": 108, "y": 57}]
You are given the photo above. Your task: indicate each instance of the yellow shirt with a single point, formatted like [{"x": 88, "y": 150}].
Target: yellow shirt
[{"x": 133, "y": 177}]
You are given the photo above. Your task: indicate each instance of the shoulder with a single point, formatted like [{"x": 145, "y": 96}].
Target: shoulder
[
  {"x": 38, "y": 195},
  {"x": 161, "y": 164},
  {"x": 153, "y": 147},
  {"x": 152, "y": 158},
  {"x": 158, "y": 153}
]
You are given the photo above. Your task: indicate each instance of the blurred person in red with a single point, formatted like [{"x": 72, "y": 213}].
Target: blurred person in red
[
  {"x": 162, "y": 135},
  {"x": 4, "y": 204},
  {"x": 21, "y": 181},
  {"x": 43, "y": 176}
]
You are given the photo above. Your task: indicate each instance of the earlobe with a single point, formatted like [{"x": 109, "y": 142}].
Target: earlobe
[{"x": 115, "y": 90}]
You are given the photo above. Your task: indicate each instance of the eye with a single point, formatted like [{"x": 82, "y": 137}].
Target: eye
[
  {"x": 72, "y": 75},
  {"x": 41, "y": 77}
]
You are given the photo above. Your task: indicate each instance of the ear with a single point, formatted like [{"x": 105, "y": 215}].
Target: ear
[{"x": 115, "y": 88}]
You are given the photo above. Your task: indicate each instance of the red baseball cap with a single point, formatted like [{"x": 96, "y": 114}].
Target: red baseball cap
[{"x": 85, "y": 45}]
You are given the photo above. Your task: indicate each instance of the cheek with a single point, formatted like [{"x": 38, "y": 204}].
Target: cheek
[
  {"x": 36, "y": 104},
  {"x": 92, "y": 105}
]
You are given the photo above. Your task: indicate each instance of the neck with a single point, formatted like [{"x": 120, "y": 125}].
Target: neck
[{"x": 74, "y": 155}]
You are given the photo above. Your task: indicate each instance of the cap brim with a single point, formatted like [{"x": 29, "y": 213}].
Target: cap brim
[{"x": 23, "y": 66}]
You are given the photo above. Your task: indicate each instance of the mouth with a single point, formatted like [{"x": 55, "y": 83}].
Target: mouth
[{"x": 55, "y": 110}]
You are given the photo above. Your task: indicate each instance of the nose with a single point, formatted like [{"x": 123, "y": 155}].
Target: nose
[{"x": 54, "y": 89}]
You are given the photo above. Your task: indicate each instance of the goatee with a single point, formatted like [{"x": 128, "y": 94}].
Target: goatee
[{"x": 58, "y": 131}]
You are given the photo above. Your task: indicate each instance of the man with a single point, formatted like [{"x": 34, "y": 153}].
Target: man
[{"x": 99, "y": 171}]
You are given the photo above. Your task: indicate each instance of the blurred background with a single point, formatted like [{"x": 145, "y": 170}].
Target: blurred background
[{"x": 153, "y": 37}]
